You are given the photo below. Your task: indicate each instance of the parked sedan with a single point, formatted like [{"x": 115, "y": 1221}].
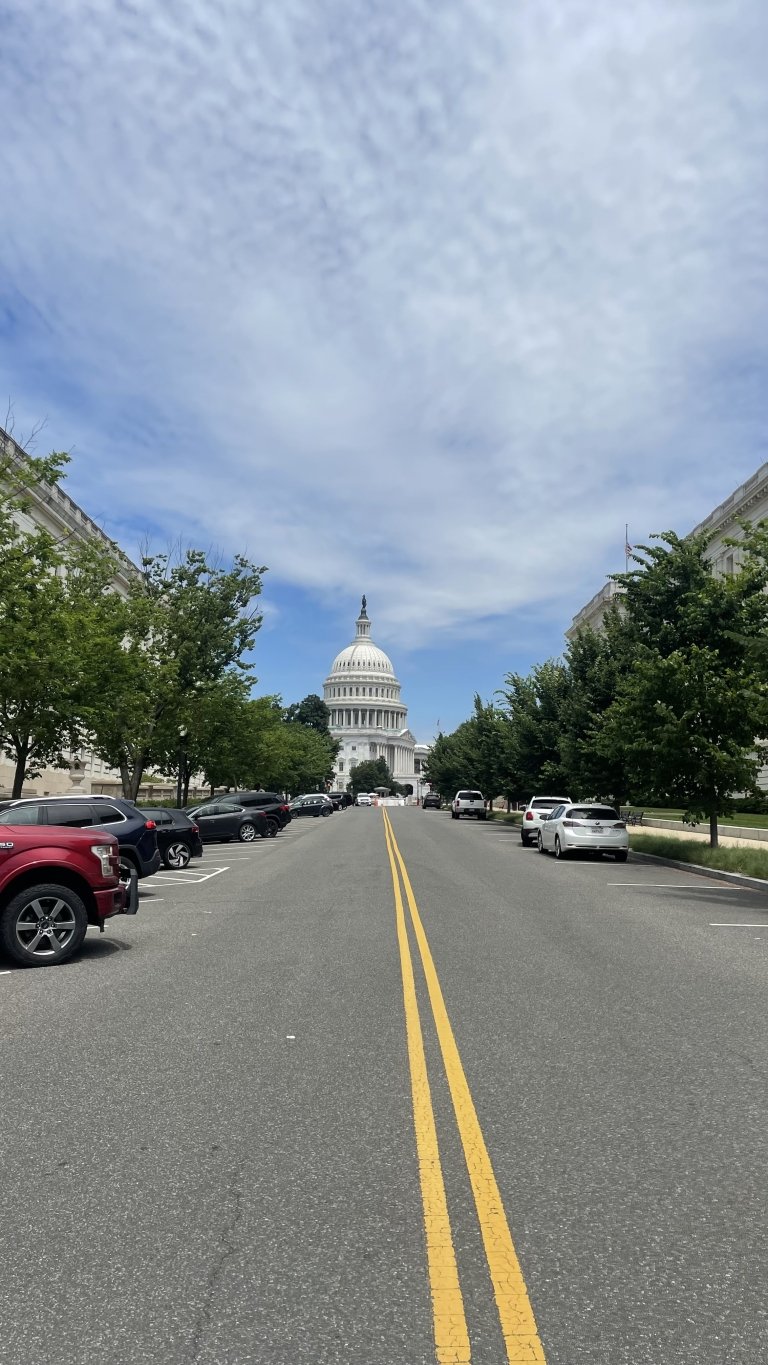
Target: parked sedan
[
  {"x": 222, "y": 820},
  {"x": 315, "y": 804},
  {"x": 178, "y": 836},
  {"x": 587, "y": 828}
]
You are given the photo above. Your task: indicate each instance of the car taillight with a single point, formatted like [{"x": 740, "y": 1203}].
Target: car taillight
[
  {"x": 620, "y": 824},
  {"x": 529, "y": 815},
  {"x": 195, "y": 829},
  {"x": 573, "y": 824},
  {"x": 150, "y": 824},
  {"x": 285, "y": 808}
]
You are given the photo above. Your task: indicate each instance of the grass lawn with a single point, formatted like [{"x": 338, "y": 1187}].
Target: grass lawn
[
  {"x": 750, "y": 862},
  {"x": 511, "y": 817},
  {"x": 746, "y": 821}
]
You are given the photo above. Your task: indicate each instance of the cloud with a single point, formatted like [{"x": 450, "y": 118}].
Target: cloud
[{"x": 426, "y": 300}]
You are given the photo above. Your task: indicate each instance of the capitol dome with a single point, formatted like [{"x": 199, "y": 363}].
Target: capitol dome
[{"x": 368, "y": 717}]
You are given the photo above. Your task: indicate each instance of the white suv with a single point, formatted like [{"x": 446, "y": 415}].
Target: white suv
[
  {"x": 468, "y": 803},
  {"x": 538, "y": 809}
]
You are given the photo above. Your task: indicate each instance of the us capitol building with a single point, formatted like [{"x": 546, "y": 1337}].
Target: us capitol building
[{"x": 368, "y": 717}]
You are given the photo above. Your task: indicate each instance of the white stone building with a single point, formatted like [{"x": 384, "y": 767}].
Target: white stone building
[
  {"x": 53, "y": 510},
  {"x": 749, "y": 502},
  {"x": 368, "y": 716}
]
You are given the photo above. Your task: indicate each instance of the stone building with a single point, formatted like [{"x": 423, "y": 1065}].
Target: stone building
[
  {"x": 749, "y": 502},
  {"x": 368, "y": 716},
  {"x": 53, "y": 510}
]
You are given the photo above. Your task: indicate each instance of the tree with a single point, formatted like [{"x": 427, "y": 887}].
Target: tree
[
  {"x": 593, "y": 761},
  {"x": 185, "y": 623},
  {"x": 312, "y": 711},
  {"x": 687, "y": 712},
  {"x": 370, "y": 774},
  {"x": 534, "y": 707}
]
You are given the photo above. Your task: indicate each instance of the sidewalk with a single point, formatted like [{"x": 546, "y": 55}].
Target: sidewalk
[{"x": 699, "y": 835}]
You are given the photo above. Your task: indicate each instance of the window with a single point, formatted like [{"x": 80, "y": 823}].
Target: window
[
  {"x": 729, "y": 565},
  {"x": 341, "y": 765},
  {"x": 21, "y": 815},
  {"x": 74, "y": 814},
  {"x": 354, "y": 748},
  {"x": 106, "y": 814},
  {"x": 592, "y": 813}
]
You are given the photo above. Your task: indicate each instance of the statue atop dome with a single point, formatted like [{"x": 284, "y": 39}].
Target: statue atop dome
[{"x": 363, "y": 611}]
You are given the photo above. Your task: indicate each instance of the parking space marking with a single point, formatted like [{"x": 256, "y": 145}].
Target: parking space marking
[
  {"x": 732, "y": 925},
  {"x": 184, "y": 878},
  {"x": 679, "y": 886}
]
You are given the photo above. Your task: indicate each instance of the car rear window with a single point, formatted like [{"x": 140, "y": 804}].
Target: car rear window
[
  {"x": 469, "y": 796},
  {"x": 547, "y": 803},
  {"x": 592, "y": 813}
]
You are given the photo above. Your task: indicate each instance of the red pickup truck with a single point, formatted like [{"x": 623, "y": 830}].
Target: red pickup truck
[{"x": 54, "y": 882}]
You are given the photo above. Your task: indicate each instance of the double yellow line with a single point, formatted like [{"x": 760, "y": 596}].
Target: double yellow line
[{"x": 518, "y": 1325}]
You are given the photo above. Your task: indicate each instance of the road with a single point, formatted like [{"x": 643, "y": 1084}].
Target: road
[{"x": 211, "y": 1153}]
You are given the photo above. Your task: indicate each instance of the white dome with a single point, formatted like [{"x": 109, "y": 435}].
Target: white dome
[{"x": 362, "y": 657}]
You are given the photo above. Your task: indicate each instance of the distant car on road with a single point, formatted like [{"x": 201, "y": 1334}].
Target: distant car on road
[
  {"x": 432, "y": 801},
  {"x": 340, "y": 800},
  {"x": 316, "y": 804},
  {"x": 586, "y": 828},
  {"x": 538, "y": 809},
  {"x": 222, "y": 820},
  {"x": 468, "y": 803},
  {"x": 135, "y": 831},
  {"x": 178, "y": 836},
  {"x": 363, "y": 799}
]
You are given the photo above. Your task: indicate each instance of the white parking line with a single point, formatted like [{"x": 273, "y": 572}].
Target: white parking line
[
  {"x": 675, "y": 886},
  {"x": 731, "y": 925},
  {"x": 184, "y": 878}
]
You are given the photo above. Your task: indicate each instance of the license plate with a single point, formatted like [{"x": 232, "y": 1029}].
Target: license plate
[{"x": 597, "y": 829}]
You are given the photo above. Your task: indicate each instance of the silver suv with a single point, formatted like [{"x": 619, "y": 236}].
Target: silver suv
[{"x": 538, "y": 809}]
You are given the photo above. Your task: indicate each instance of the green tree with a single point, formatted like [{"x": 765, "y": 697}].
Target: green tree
[
  {"x": 312, "y": 711},
  {"x": 184, "y": 625},
  {"x": 687, "y": 712},
  {"x": 593, "y": 759},
  {"x": 533, "y": 706},
  {"x": 370, "y": 774}
]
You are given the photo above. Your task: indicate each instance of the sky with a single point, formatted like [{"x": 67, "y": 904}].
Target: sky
[{"x": 423, "y": 300}]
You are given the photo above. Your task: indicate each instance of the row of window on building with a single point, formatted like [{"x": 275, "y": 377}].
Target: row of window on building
[
  {"x": 360, "y": 692},
  {"x": 371, "y": 720}
]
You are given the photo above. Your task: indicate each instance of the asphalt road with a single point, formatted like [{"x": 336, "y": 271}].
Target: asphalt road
[{"x": 209, "y": 1148}]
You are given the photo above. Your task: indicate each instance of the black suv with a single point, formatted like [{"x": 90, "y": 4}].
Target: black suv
[
  {"x": 178, "y": 837},
  {"x": 340, "y": 800},
  {"x": 432, "y": 801},
  {"x": 269, "y": 803},
  {"x": 135, "y": 833}
]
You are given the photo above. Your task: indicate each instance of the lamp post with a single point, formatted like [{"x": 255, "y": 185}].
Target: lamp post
[{"x": 183, "y": 737}]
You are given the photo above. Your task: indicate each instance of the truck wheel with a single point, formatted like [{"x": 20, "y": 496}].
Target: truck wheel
[{"x": 43, "y": 924}]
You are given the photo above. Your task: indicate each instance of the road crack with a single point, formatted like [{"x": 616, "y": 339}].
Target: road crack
[{"x": 225, "y": 1249}]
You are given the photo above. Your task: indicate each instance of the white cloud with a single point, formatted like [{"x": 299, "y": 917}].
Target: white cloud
[{"x": 426, "y": 299}]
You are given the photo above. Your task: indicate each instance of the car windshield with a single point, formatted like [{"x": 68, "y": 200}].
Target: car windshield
[{"x": 592, "y": 813}]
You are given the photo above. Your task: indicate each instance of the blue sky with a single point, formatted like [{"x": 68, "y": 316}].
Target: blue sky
[{"x": 419, "y": 300}]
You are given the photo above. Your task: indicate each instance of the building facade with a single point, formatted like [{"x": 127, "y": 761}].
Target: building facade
[
  {"x": 51, "y": 509},
  {"x": 368, "y": 715}
]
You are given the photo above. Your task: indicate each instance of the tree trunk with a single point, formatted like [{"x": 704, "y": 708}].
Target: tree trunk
[
  {"x": 22, "y": 755},
  {"x": 713, "y": 836},
  {"x": 136, "y": 776},
  {"x": 125, "y": 776},
  {"x": 186, "y": 775}
]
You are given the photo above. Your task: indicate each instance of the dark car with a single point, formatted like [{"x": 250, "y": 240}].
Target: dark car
[
  {"x": 222, "y": 820},
  {"x": 315, "y": 804},
  {"x": 178, "y": 837},
  {"x": 273, "y": 806},
  {"x": 432, "y": 801},
  {"x": 340, "y": 800},
  {"x": 134, "y": 830}
]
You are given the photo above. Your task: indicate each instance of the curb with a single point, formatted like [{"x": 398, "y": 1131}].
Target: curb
[{"x": 736, "y": 878}]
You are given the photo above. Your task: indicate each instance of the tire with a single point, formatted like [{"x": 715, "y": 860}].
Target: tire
[
  {"x": 524, "y": 840},
  {"x": 246, "y": 833},
  {"x": 454, "y": 816},
  {"x": 325, "y": 813},
  {"x": 66, "y": 922},
  {"x": 484, "y": 816},
  {"x": 559, "y": 852},
  {"x": 177, "y": 855},
  {"x": 540, "y": 845},
  {"x": 621, "y": 857},
  {"x": 272, "y": 829}
]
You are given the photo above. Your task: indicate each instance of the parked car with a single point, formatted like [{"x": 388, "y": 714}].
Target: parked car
[
  {"x": 538, "y": 809},
  {"x": 223, "y": 820},
  {"x": 54, "y": 882},
  {"x": 363, "y": 799},
  {"x": 587, "y": 828},
  {"x": 468, "y": 803},
  {"x": 273, "y": 806},
  {"x": 178, "y": 837},
  {"x": 315, "y": 804},
  {"x": 340, "y": 800},
  {"x": 136, "y": 833},
  {"x": 432, "y": 801}
]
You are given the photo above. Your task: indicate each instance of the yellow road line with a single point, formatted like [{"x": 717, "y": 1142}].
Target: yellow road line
[
  {"x": 518, "y": 1324},
  {"x": 450, "y": 1324}
]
